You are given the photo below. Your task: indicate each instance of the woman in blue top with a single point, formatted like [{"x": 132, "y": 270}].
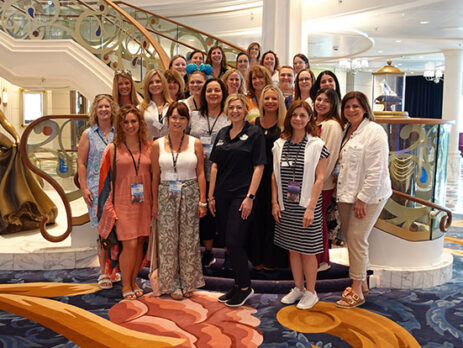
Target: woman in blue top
[{"x": 91, "y": 146}]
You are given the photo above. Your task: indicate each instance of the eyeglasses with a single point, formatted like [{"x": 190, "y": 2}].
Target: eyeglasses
[{"x": 125, "y": 71}]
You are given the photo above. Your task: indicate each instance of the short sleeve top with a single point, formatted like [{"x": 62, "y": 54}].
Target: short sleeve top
[{"x": 236, "y": 158}]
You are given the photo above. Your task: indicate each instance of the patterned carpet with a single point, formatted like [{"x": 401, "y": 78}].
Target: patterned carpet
[{"x": 66, "y": 309}]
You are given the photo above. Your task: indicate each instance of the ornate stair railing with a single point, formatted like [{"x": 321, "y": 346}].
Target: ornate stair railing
[
  {"x": 48, "y": 148},
  {"x": 101, "y": 27},
  {"x": 177, "y": 38}
]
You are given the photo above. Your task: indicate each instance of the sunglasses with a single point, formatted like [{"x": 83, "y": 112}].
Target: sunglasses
[{"x": 118, "y": 72}]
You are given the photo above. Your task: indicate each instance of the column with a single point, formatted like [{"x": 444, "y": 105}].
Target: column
[
  {"x": 282, "y": 28},
  {"x": 452, "y": 107}
]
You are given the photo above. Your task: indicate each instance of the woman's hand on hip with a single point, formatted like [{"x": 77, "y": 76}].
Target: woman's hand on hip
[
  {"x": 308, "y": 218},
  {"x": 246, "y": 208},
  {"x": 360, "y": 209},
  {"x": 276, "y": 212}
]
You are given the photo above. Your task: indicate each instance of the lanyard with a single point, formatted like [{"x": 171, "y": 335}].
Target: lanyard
[
  {"x": 102, "y": 138},
  {"x": 293, "y": 167},
  {"x": 175, "y": 158},
  {"x": 136, "y": 166},
  {"x": 194, "y": 102},
  {"x": 213, "y": 125}
]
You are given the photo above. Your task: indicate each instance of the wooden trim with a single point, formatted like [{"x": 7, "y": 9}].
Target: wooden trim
[
  {"x": 49, "y": 179},
  {"x": 182, "y": 25},
  {"x": 160, "y": 51},
  {"x": 387, "y": 120},
  {"x": 445, "y": 221}
]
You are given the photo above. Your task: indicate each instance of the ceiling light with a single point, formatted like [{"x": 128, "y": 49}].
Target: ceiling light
[
  {"x": 424, "y": 22},
  {"x": 380, "y": 51},
  {"x": 398, "y": 41}
]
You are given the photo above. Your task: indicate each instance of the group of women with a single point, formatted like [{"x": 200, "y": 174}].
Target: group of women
[{"x": 268, "y": 162}]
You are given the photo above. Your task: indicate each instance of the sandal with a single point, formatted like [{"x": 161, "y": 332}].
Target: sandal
[
  {"x": 351, "y": 298},
  {"x": 137, "y": 291},
  {"x": 104, "y": 282},
  {"x": 188, "y": 294},
  {"x": 177, "y": 295},
  {"x": 116, "y": 278}
]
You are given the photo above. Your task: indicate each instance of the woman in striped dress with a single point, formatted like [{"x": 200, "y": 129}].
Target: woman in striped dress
[{"x": 299, "y": 165}]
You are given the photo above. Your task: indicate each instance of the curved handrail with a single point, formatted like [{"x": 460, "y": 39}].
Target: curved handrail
[
  {"x": 445, "y": 221},
  {"x": 181, "y": 25},
  {"x": 50, "y": 180},
  {"x": 162, "y": 54}
]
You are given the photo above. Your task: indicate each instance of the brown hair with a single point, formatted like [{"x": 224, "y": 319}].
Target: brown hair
[
  {"x": 133, "y": 93},
  {"x": 93, "y": 119},
  {"x": 223, "y": 63},
  {"x": 311, "y": 126},
  {"x": 363, "y": 101},
  {"x": 252, "y": 44},
  {"x": 277, "y": 61},
  {"x": 261, "y": 70},
  {"x": 173, "y": 75},
  {"x": 182, "y": 110},
  {"x": 120, "y": 118},
  {"x": 333, "y": 112},
  {"x": 175, "y": 58},
  {"x": 297, "y": 89}
]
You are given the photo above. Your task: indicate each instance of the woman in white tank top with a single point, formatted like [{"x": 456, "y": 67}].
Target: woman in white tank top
[{"x": 178, "y": 186}]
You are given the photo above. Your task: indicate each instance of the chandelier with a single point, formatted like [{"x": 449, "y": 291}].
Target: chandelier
[{"x": 433, "y": 74}]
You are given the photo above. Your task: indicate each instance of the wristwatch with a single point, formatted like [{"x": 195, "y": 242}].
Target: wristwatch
[{"x": 250, "y": 195}]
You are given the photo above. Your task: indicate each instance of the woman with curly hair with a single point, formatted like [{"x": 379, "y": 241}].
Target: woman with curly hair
[{"x": 132, "y": 194}]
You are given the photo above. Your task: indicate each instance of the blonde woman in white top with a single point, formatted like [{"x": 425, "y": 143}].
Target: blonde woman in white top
[
  {"x": 178, "y": 186},
  {"x": 363, "y": 188},
  {"x": 326, "y": 111},
  {"x": 155, "y": 103}
]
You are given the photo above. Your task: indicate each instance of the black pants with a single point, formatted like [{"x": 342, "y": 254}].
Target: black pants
[{"x": 236, "y": 234}]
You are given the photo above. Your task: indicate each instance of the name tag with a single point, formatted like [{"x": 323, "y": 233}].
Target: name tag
[
  {"x": 286, "y": 164},
  {"x": 207, "y": 150},
  {"x": 206, "y": 140},
  {"x": 294, "y": 191},
  {"x": 136, "y": 192},
  {"x": 175, "y": 188}
]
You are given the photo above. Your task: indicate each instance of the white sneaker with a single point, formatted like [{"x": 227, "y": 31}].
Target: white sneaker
[
  {"x": 308, "y": 300},
  {"x": 323, "y": 267},
  {"x": 294, "y": 295}
]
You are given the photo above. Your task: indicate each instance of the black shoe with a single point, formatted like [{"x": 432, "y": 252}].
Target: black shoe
[
  {"x": 227, "y": 266},
  {"x": 240, "y": 297},
  {"x": 229, "y": 294},
  {"x": 208, "y": 259}
]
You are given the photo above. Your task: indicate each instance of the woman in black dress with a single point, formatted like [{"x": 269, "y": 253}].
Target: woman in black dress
[{"x": 263, "y": 253}]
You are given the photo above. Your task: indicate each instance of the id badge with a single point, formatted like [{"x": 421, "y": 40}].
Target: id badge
[
  {"x": 207, "y": 150},
  {"x": 206, "y": 140},
  {"x": 294, "y": 191},
  {"x": 335, "y": 172},
  {"x": 175, "y": 188},
  {"x": 136, "y": 192}
]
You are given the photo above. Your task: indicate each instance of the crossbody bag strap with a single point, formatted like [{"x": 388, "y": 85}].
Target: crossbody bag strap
[{"x": 114, "y": 171}]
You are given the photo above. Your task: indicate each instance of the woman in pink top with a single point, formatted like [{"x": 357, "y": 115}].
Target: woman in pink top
[{"x": 132, "y": 194}]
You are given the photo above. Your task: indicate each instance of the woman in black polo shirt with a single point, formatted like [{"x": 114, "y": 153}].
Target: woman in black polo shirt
[{"x": 238, "y": 160}]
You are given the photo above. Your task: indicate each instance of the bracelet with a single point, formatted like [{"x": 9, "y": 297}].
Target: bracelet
[
  {"x": 211, "y": 199},
  {"x": 201, "y": 204}
]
